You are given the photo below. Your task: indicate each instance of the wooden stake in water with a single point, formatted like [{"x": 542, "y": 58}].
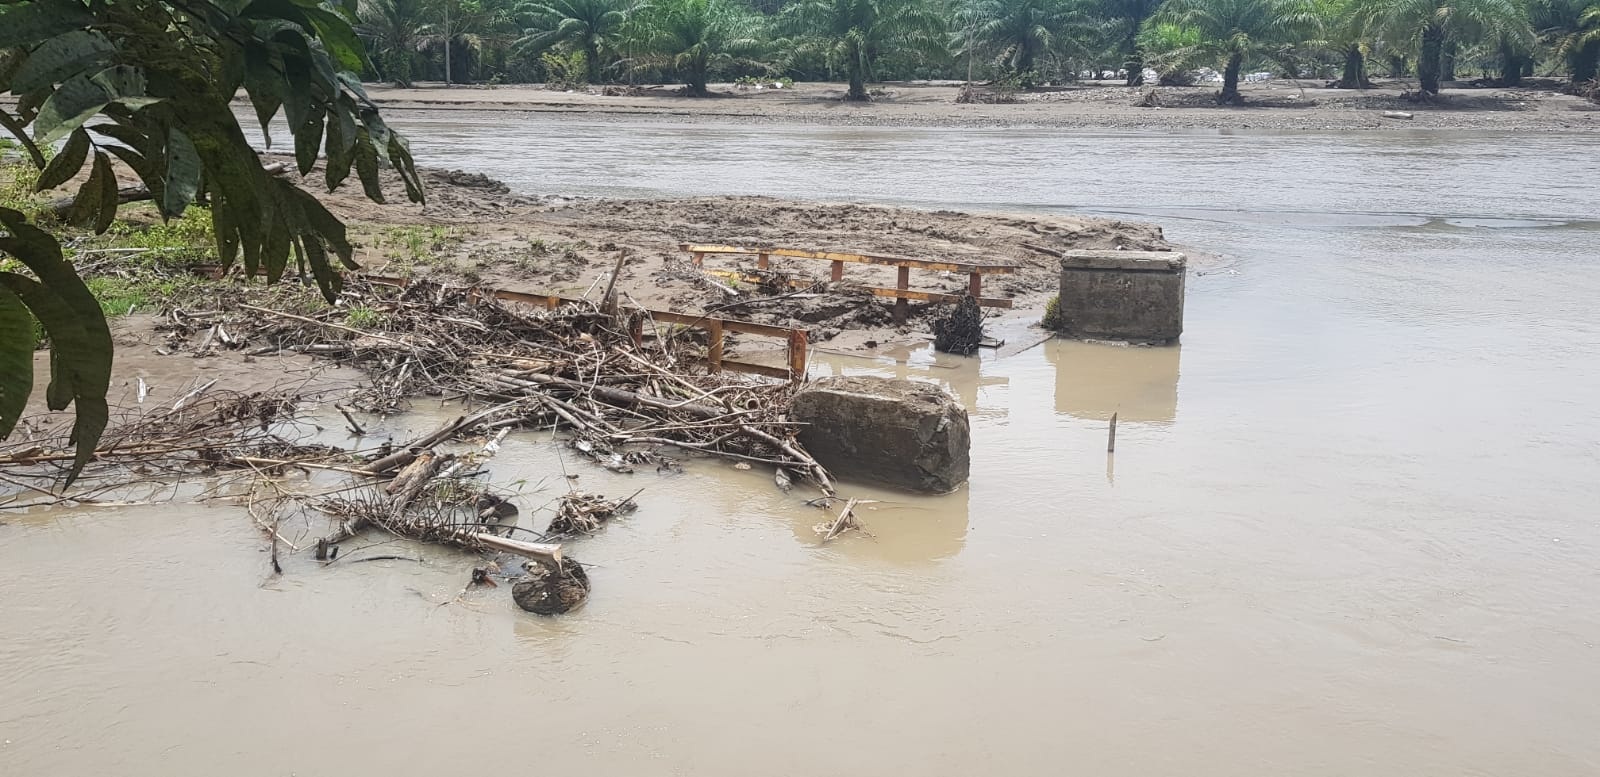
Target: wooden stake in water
[{"x": 1111, "y": 436}]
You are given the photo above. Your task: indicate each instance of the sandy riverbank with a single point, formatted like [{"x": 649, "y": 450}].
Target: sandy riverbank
[
  {"x": 475, "y": 231},
  {"x": 1270, "y": 105}
]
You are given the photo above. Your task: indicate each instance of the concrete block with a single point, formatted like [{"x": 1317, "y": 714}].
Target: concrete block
[
  {"x": 885, "y": 431},
  {"x": 1135, "y": 296}
]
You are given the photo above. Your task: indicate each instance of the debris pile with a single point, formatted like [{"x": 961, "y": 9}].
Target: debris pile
[{"x": 961, "y": 330}]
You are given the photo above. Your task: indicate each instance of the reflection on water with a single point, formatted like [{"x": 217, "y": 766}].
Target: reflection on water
[{"x": 1094, "y": 380}]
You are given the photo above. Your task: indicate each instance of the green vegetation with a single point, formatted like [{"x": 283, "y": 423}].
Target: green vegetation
[
  {"x": 144, "y": 88},
  {"x": 570, "y": 44}
]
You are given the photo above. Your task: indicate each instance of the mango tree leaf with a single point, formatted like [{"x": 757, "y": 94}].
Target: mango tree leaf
[
  {"x": 61, "y": 57},
  {"x": 183, "y": 174},
  {"x": 307, "y": 137},
  {"x": 264, "y": 84},
  {"x": 400, "y": 157},
  {"x": 338, "y": 39},
  {"x": 367, "y": 166},
  {"x": 67, "y": 162},
  {"x": 16, "y": 359},
  {"x": 80, "y": 341},
  {"x": 106, "y": 210},
  {"x": 24, "y": 24},
  {"x": 68, "y": 108}
]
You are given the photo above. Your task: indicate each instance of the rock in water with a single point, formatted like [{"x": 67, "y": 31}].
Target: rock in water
[
  {"x": 898, "y": 433},
  {"x": 551, "y": 588},
  {"x": 962, "y": 330}
]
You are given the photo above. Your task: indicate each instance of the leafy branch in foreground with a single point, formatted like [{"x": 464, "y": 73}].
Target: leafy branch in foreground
[{"x": 147, "y": 84}]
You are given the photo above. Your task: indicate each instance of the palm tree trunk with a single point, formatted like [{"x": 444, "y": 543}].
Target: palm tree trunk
[
  {"x": 697, "y": 79},
  {"x": 1230, "y": 79},
  {"x": 1586, "y": 63},
  {"x": 1510, "y": 66},
  {"x": 1135, "y": 63},
  {"x": 591, "y": 55},
  {"x": 1447, "y": 60},
  {"x": 1428, "y": 60},
  {"x": 858, "y": 77},
  {"x": 1355, "y": 69}
]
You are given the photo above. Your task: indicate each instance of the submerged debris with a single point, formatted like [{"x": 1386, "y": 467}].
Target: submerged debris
[
  {"x": 581, "y": 513},
  {"x": 961, "y": 331},
  {"x": 551, "y": 588}
]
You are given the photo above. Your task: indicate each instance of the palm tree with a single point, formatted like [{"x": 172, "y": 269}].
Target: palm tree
[
  {"x": 1122, "y": 20},
  {"x": 1018, "y": 32},
  {"x": 693, "y": 36},
  {"x": 395, "y": 28},
  {"x": 1344, "y": 36},
  {"x": 591, "y": 26},
  {"x": 1571, "y": 28},
  {"x": 1432, "y": 24},
  {"x": 1238, "y": 30},
  {"x": 853, "y": 34}
]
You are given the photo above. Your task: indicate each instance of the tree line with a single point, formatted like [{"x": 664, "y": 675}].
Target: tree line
[{"x": 1023, "y": 42}]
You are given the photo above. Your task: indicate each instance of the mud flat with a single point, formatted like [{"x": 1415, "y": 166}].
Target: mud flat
[{"x": 475, "y": 231}]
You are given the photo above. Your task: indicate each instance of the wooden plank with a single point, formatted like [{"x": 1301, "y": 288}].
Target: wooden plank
[
  {"x": 742, "y": 327},
  {"x": 840, "y": 256},
  {"x": 797, "y": 354},
  {"x": 920, "y": 296},
  {"x": 714, "y": 343},
  {"x": 902, "y": 282}
]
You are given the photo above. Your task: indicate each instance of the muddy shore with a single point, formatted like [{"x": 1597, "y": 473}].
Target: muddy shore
[
  {"x": 473, "y": 230},
  {"x": 1271, "y": 105}
]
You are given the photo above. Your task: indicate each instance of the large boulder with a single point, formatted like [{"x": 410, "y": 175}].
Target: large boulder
[{"x": 898, "y": 433}]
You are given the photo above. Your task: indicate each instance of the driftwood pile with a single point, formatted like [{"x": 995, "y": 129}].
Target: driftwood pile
[
  {"x": 148, "y": 447},
  {"x": 625, "y": 387}
]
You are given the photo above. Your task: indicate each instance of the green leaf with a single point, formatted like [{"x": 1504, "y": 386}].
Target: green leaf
[
  {"x": 25, "y": 24},
  {"x": 400, "y": 157},
  {"x": 339, "y": 39},
  {"x": 85, "y": 209},
  {"x": 264, "y": 85},
  {"x": 227, "y": 233},
  {"x": 328, "y": 280},
  {"x": 183, "y": 174},
  {"x": 16, "y": 359},
  {"x": 367, "y": 166},
  {"x": 106, "y": 209},
  {"x": 67, "y": 162},
  {"x": 80, "y": 341},
  {"x": 72, "y": 103},
  {"x": 61, "y": 57},
  {"x": 307, "y": 137}
]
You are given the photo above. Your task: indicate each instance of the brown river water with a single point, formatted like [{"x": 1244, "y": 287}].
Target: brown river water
[{"x": 1350, "y": 527}]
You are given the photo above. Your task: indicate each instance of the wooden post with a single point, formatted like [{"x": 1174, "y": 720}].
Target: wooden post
[
  {"x": 636, "y": 329},
  {"x": 797, "y": 354},
  {"x": 902, "y": 306},
  {"x": 1111, "y": 436},
  {"x": 838, "y": 271},
  {"x": 714, "y": 343},
  {"x": 975, "y": 285},
  {"x": 699, "y": 258},
  {"x": 552, "y": 302},
  {"x": 761, "y": 261}
]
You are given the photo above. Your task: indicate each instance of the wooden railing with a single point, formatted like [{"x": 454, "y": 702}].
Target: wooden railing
[
  {"x": 902, "y": 291},
  {"x": 716, "y": 330}
]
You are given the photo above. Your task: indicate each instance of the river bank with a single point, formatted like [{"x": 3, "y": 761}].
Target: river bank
[{"x": 1286, "y": 105}]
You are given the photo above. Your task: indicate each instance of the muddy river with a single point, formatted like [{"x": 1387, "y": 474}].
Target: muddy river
[{"x": 1350, "y": 527}]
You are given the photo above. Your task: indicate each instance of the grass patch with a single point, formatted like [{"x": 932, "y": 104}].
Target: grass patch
[{"x": 364, "y": 317}]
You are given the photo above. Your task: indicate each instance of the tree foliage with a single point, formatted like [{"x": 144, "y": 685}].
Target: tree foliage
[{"x": 144, "y": 87}]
